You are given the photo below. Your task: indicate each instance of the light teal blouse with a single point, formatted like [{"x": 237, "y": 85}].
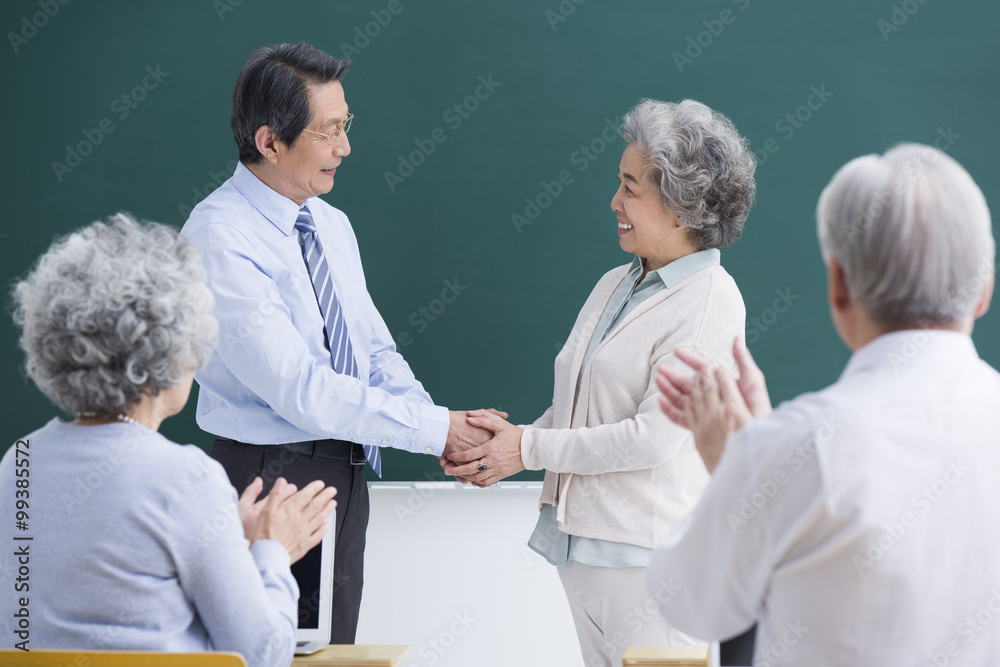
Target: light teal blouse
[{"x": 547, "y": 540}]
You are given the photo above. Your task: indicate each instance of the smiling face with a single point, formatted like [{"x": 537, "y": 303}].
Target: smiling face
[
  {"x": 645, "y": 228},
  {"x": 306, "y": 169}
]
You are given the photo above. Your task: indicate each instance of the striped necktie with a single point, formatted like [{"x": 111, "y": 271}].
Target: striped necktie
[{"x": 338, "y": 339}]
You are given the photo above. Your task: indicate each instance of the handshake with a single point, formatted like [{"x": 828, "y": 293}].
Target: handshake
[{"x": 482, "y": 447}]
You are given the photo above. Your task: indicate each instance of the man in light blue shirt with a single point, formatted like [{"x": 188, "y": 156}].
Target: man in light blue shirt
[{"x": 305, "y": 381}]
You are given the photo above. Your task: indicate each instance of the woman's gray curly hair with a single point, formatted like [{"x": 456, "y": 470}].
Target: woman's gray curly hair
[
  {"x": 111, "y": 312},
  {"x": 700, "y": 165}
]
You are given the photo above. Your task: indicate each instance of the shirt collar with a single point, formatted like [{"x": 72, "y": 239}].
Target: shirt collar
[
  {"x": 277, "y": 208},
  {"x": 681, "y": 268},
  {"x": 899, "y": 348}
]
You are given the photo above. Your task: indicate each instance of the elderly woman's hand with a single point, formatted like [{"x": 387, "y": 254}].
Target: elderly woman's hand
[
  {"x": 249, "y": 507},
  {"x": 295, "y": 518},
  {"x": 501, "y": 455}
]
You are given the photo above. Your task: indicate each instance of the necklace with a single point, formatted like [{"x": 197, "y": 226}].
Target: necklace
[{"x": 119, "y": 417}]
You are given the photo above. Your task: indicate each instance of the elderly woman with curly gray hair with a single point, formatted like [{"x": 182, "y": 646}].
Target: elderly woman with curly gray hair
[
  {"x": 137, "y": 542},
  {"x": 619, "y": 474}
]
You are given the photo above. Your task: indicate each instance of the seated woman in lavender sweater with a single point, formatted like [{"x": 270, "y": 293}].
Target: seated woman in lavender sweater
[{"x": 138, "y": 543}]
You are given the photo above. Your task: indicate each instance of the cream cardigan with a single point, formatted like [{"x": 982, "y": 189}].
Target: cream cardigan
[{"x": 616, "y": 467}]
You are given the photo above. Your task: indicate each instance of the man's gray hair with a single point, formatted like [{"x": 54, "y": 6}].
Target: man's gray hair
[
  {"x": 912, "y": 232},
  {"x": 699, "y": 165},
  {"x": 113, "y": 311}
]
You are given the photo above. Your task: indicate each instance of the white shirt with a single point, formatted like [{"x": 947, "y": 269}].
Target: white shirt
[
  {"x": 271, "y": 378},
  {"x": 855, "y": 525}
]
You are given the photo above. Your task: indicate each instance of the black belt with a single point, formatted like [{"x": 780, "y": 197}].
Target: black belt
[{"x": 340, "y": 450}]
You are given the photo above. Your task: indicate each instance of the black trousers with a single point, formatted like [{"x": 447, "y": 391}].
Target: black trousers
[{"x": 245, "y": 462}]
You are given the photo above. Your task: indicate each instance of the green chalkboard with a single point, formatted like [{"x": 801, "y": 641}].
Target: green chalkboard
[{"x": 481, "y": 161}]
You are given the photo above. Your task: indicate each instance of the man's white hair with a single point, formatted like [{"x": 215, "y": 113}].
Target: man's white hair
[{"x": 912, "y": 232}]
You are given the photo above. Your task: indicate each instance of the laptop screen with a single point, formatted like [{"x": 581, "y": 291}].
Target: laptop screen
[
  {"x": 307, "y": 574},
  {"x": 314, "y": 575}
]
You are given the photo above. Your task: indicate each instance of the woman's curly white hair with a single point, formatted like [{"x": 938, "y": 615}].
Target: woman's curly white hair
[
  {"x": 700, "y": 166},
  {"x": 111, "y": 312}
]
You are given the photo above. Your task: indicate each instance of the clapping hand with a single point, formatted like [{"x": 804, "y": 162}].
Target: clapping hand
[
  {"x": 294, "y": 518},
  {"x": 249, "y": 507},
  {"x": 489, "y": 463},
  {"x": 710, "y": 403}
]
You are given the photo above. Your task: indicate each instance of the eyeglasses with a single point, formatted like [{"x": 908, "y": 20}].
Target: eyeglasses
[{"x": 330, "y": 138}]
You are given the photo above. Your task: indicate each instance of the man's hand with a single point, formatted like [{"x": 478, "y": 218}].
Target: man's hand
[
  {"x": 711, "y": 404},
  {"x": 677, "y": 387},
  {"x": 295, "y": 518},
  {"x": 713, "y": 411},
  {"x": 751, "y": 382},
  {"x": 501, "y": 455},
  {"x": 462, "y": 435}
]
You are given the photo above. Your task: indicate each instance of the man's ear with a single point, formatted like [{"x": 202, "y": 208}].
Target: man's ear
[
  {"x": 267, "y": 143},
  {"x": 984, "y": 299},
  {"x": 838, "y": 293}
]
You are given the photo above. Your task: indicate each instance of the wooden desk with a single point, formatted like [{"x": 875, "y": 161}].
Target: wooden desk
[
  {"x": 666, "y": 656},
  {"x": 342, "y": 655}
]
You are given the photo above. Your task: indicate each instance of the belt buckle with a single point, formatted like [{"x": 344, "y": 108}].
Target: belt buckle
[{"x": 358, "y": 452}]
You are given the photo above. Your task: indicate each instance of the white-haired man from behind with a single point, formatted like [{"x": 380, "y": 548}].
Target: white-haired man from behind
[{"x": 849, "y": 523}]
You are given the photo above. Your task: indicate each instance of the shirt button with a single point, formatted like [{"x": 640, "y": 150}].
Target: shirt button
[
  {"x": 428, "y": 450},
  {"x": 384, "y": 441}
]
